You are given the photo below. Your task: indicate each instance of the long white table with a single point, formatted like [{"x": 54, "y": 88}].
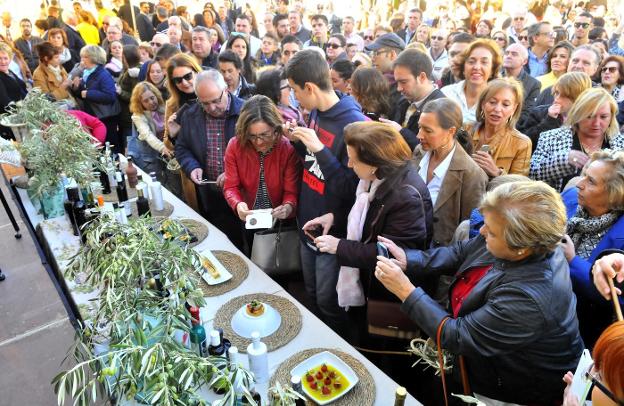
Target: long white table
[{"x": 61, "y": 245}]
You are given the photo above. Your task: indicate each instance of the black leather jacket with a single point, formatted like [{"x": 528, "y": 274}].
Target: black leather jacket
[{"x": 517, "y": 329}]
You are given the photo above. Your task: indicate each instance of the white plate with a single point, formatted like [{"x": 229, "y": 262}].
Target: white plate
[
  {"x": 224, "y": 274},
  {"x": 317, "y": 360},
  {"x": 266, "y": 324}
]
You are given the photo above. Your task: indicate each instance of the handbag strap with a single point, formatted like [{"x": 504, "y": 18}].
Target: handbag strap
[
  {"x": 277, "y": 244},
  {"x": 441, "y": 357}
]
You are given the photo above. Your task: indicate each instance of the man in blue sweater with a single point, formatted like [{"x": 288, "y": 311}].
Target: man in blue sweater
[{"x": 328, "y": 185}]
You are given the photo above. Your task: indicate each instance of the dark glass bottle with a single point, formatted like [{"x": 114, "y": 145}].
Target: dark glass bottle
[
  {"x": 73, "y": 195},
  {"x": 106, "y": 187},
  {"x": 216, "y": 347},
  {"x": 143, "y": 207},
  {"x": 122, "y": 191},
  {"x": 80, "y": 217},
  {"x": 295, "y": 383}
]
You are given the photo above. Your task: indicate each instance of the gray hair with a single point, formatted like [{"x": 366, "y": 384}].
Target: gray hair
[
  {"x": 95, "y": 53},
  {"x": 210, "y": 75},
  {"x": 588, "y": 48},
  {"x": 116, "y": 22}
]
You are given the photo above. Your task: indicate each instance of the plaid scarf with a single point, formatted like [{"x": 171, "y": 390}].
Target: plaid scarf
[{"x": 586, "y": 231}]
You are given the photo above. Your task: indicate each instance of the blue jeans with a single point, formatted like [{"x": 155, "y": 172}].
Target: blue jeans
[{"x": 320, "y": 276}]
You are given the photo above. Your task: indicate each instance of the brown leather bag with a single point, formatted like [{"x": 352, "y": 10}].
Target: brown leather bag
[
  {"x": 386, "y": 319},
  {"x": 462, "y": 364}
]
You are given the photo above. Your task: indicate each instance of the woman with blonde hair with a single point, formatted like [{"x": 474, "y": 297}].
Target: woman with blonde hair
[
  {"x": 590, "y": 126},
  {"x": 595, "y": 223},
  {"x": 12, "y": 88},
  {"x": 481, "y": 63},
  {"x": 511, "y": 314},
  {"x": 391, "y": 200},
  {"x": 148, "y": 117},
  {"x": 423, "y": 35},
  {"x": 498, "y": 147},
  {"x": 548, "y": 117}
]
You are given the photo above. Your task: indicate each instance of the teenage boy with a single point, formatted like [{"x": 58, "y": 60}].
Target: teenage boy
[{"x": 328, "y": 184}]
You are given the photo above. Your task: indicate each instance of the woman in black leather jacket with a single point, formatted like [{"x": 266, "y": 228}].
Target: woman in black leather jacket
[{"x": 512, "y": 311}]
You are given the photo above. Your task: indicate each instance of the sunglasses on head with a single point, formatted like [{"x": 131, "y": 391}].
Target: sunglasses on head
[
  {"x": 334, "y": 46},
  {"x": 581, "y": 25},
  {"x": 178, "y": 80},
  {"x": 610, "y": 69}
]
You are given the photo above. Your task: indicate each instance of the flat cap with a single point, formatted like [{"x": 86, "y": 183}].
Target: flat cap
[{"x": 389, "y": 40}]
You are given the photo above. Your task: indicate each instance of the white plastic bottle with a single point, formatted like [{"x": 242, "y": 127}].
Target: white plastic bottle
[
  {"x": 157, "y": 196},
  {"x": 258, "y": 358}
]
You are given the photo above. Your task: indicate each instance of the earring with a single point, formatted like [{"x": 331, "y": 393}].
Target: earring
[{"x": 520, "y": 253}]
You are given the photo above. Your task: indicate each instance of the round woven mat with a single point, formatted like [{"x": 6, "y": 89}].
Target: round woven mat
[
  {"x": 363, "y": 394},
  {"x": 290, "y": 327},
  {"x": 165, "y": 212},
  {"x": 197, "y": 228},
  {"x": 235, "y": 265}
]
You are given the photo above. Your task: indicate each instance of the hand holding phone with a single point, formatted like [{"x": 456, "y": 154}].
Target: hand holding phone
[
  {"x": 382, "y": 250},
  {"x": 313, "y": 232}
]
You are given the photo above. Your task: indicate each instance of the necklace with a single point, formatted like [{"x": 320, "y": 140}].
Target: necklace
[{"x": 588, "y": 149}]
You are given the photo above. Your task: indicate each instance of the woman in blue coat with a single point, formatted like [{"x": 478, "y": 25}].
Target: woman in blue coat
[
  {"x": 95, "y": 89},
  {"x": 595, "y": 223}
]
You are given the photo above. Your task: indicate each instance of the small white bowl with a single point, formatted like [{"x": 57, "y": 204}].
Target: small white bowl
[{"x": 243, "y": 324}]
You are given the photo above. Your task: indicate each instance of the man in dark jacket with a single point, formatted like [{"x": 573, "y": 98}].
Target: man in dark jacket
[
  {"x": 27, "y": 43},
  {"x": 516, "y": 57},
  {"x": 385, "y": 50},
  {"x": 74, "y": 40},
  {"x": 201, "y": 48},
  {"x": 413, "y": 74},
  {"x": 328, "y": 184},
  {"x": 200, "y": 148},
  {"x": 145, "y": 28}
]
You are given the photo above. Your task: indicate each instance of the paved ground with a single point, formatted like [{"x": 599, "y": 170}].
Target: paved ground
[{"x": 35, "y": 331}]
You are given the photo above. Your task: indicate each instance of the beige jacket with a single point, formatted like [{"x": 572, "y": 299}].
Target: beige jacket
[
  {"x": 510, "y": 149},
  {"x": 147, "y": 132}
]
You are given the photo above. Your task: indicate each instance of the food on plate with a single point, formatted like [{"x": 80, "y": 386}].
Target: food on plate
[
  {"x": 324, "y": 382},
  {"x": 255, "y": 308},
  {"x": 208, "y": 266}
]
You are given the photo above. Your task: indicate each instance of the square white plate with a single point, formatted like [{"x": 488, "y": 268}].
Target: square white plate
[
  {"x": 225, "y": 275},
  {"x": 317, "y": 360}
]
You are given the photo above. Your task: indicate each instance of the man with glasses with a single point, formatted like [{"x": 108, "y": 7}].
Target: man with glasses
[
  {"x": 438, "y": 53},
  {"x": 518, "y": 20},
  {"x": 541, "y": 39},
  {"x": 582, "y": 23},
  {"x": 202, "y": 48},
  {"x": 114, "y": 32},
  {"x": 514, "y": 61},
  {"x": 208, "y": 126},
  {"x": 384, "y": 51},
  {"x": 158, "y": 40}
]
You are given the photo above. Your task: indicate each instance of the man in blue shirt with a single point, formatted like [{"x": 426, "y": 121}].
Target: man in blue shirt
[{"x": 542, "y": 39}]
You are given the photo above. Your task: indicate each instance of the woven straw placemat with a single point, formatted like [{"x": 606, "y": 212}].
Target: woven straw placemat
[
  {"x": 197, "y": 228},
  {"x": 288, "y": 329},
  {"x": 165, "y": 212},
  {"x": 363, "y": 394},
  {"x": 235, "y": 265}
]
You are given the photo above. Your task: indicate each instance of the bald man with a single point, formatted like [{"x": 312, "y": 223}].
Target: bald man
[{"x": 516, "y": 57}]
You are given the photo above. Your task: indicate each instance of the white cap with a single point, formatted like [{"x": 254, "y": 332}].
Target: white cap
[{"x": 215, "y": 340}]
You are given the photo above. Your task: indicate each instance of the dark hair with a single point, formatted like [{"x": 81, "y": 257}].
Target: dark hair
[
  {"x": 596, "y": 33},
  {"x": 272, "y": 36},
  {"x": 462, "y": 37},
  {"x": 620, "y": 61},
  {"x": 341, "y": 38},
  {"x": 416, "y": 10},
  {"x": 558, "y": 45},
  {"x": 585, "y": 14},
  {"x": 166, "y": 52},
  {"x": 47, "y": 51},
  {"x": 534, "y": 30},
  {"x": 268, "y": 84},
  {"x": 279, "y": 17},
  {"x": 249, "y": 72},
  {"x": 230, "y": 56},
  {"x": 371, "y": 90},
  {"x": 26, "y": 20},
  {"x": 42, "y": 24},
  {"x": 598, "y": 22},
  {"x": 131, "y": 55},
  {"x": 449, "y": 115},
  {"x": 344, "y": 68},
  {"x": 320, "y": 17},
  {"x": 291, "y": 39},
  {"x": 416, "y": 61},
  {"x": 198, "y": 20},
  {"x": 308, "y": 66},
  {"x": 258, "y": 108}
]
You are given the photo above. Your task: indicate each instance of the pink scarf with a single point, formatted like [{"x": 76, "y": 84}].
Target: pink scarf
[{"x": 349, "y": 286}]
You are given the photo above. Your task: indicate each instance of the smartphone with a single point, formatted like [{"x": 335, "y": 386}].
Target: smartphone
[
  {"x": 373, "y": 116},
  {"x": 207, "y": 182},
  {"x": 382, "y": 250},
  {"x": 314, "y": 232},
  {"x": 485, "y": 148}
]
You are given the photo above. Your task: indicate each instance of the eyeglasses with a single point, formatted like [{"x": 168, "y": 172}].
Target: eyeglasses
[
  {"x": 581, "y": 25},
  {"x": 499, "y": 39},
  {"x": 155, "y": 44},
  {"x": 595, "y": 380},
  {"x": 265, "y": 136},
  {"x": 440, "y": 38},
  {"x": 285, "y": 86},
  {"x": 212, "y": 102},
  {"x": 178, "y": 80},
  {"x": 610, "y": 69},
  {"x": 548, "y": 34},
  {"x": 380, "y": 52},
  {"x": 368, "y": 37},
  {"x": 522, "y": 37},
  {"x": 518, "y": 18},
  {"x": 333, "y": 46}
]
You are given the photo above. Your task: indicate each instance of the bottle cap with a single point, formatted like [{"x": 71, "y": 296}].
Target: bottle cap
[
  {"x": 115, "y": 205},
  {"x": 140, "y": 192},
  {"x": 194, "y": 314},
  {"x": 401, "y": 391},
  {"x": 118, "y": 176},
  {"x": 295, "y": 380},
  {"x": 215, "y": 341}
]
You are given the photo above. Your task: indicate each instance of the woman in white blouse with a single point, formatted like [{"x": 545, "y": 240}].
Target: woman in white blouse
[
  {"x": 481, "y": 63},
  {"x": 455, "y": 182}
]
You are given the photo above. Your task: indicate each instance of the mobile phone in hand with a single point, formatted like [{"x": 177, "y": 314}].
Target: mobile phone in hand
[
  {"x": 485, "y": 148},
  {"x": 382, "y": 250},
  {"x": 314, "y": 232}
]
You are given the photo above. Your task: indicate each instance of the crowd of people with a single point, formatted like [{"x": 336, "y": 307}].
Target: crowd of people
[{"x": 479, "y": 142}]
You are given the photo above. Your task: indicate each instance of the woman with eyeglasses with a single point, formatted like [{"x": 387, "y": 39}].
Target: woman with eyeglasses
[
  {"x": 240, "y": 46},
  {"x": 501, "y": 39},
  {"x": 606, "y": 373},
  {"x": 271, "y": 84},
  {"x": 612, "y": 76},
  {"x": 181, "y": 72},
  {"x": 483, "y": 29},
  {"x": 556, "y": 63},
  {"x": 262, "y": 169},
  {"x": 335, "y": 48}
]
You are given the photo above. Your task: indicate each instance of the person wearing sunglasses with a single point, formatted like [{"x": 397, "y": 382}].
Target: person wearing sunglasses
[
  {"x": 335, "y": 48},
  {"x": 501, "y": 39},
  {"x": 606, "y": 373},
  {"x": 158, "y": 40},
  {"x": 612, "y": 76},
  {"x": 438, "y": 53},
  {"x": 518, "y": 21},
  {"x": 262, "y": 169},
  {"x": 541, "y": 39},
  {"x": 582, "y": 24},
  {"x": 209, "y": 124}
]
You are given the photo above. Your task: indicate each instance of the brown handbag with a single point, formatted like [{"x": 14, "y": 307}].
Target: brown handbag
[{"x": 462, "y": 364}]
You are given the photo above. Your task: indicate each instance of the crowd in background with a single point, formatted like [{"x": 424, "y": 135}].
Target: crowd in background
[{"x": 424, "y": 125}]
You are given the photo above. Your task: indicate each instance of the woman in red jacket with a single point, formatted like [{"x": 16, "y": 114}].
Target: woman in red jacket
[{"x": 262, "y": 170}]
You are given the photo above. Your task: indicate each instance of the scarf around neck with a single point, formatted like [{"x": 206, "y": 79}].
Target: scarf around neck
[{"x": 586, "y": 231}]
